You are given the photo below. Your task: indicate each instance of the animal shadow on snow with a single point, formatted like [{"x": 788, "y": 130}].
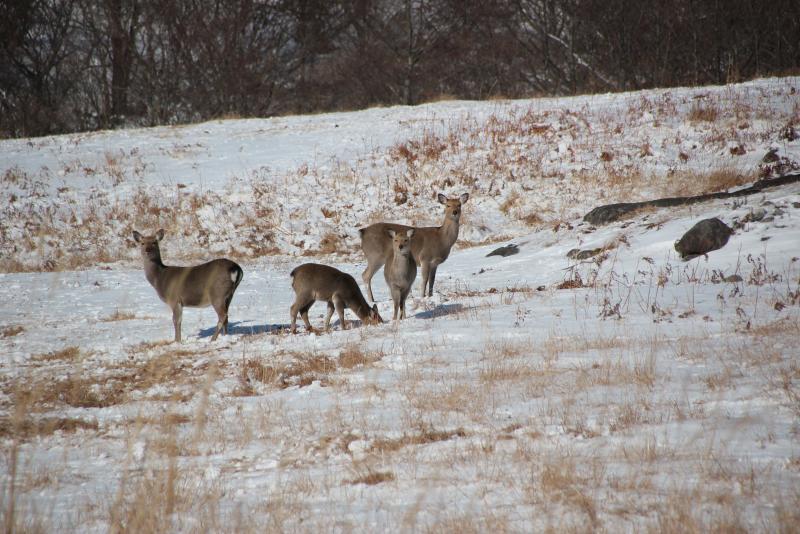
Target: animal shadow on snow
[
  {"x": 439, "y": 311},
  {"x": 239, "y": 329}
]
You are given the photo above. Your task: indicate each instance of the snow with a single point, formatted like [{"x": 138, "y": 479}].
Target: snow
[{"x": 654, "y": 396}]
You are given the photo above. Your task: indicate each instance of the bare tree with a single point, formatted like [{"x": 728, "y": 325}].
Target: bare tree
[{"x": 36, "y": 76}]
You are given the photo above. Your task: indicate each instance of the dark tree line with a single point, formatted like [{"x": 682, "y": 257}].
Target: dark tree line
[{"x": 70, "y": 65}]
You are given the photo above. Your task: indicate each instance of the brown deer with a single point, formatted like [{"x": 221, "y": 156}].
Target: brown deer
[
  {"x": 400, "y": 270},
  {"x": 209, "y": 284},
  {"x": 312, "y": 282},
  {"x": 430, "y": 246}
]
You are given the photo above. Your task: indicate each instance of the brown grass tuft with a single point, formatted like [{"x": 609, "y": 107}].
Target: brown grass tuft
[
  {"x": 373, "y": 477},
  {"x": 424, "y": 437},
  {"x": 67, "y": 354},
  {"x": 352, "y": 356},
  {"x": 119, "y": 316},
  {"x": 11, "y": 330},
  {"x": 331, "y": 243},
  {"x": 700, "y": 112},
  {"x": 29, "y": 428}
]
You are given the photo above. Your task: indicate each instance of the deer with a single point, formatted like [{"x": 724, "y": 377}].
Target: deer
[
  {"x": 430, "y": 246},
  {"x": 312, "y": 282},
  {"x": 209, "y": 284},
  {"x": 400, "y": 270}
]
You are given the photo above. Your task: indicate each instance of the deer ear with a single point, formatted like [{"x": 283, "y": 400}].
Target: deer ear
[
  {"x": 137, "y": 236},
  {"x": 441, "y": 198},
  {"x": 160, "y": 234},
  {"x": 464, "y": 197},
  {"x": 391, "y": 233},
  {"x": 410, "y": 233}
]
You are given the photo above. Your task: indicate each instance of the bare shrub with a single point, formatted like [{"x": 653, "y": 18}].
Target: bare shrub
[
  {"x": 703, "y": 112},
  {"x": 331, "y": 243}
]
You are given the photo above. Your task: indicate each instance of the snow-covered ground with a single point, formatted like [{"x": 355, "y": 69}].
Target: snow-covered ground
[{"x": 629, "y": 391}]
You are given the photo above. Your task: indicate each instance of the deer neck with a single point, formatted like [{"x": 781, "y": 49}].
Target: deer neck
[
  {"x": 400, "y": 260},
  {"x": 153, "y": 267},
  {"x": 448, "y": 231},
  {"x": 360, "y": 308}
]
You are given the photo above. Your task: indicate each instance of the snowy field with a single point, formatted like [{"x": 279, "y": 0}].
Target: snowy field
[{"x": 630, "y": 391}]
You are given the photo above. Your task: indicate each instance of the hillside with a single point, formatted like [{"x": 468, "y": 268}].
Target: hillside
[{"x": 627, "y": 391}]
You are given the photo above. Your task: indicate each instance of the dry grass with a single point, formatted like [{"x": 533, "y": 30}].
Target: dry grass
[
  {"x": 29, "y": 428},
  {"x": 698, "y": 183},
  {"x": 330, "y": 243},
  {"x": 11, "y": 330},
  {"x": 372, "y": 478},
  {"x": 80, "y": 389},
  {"x": 68, "y": 354},
  {"x": 77, "y": 391},
  {"x": 118, "y": 316},
  {"x": 302, "y": 370},
  {"x": 703, "y": 112},
  {"x": 353, "y": 356},
  {"x": 424, "y": 437}
]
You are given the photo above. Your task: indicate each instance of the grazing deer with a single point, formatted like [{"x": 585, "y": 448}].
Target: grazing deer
[
  {"x": 209, "y": 284},
  {"x": 430, "y": 246},
  {"x": 312, "y": 282},
  {"x": 400, "y": 270}
]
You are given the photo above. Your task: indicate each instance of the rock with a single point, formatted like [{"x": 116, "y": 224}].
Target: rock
[
  {"x": 771, "y": 156},
  {"x": 508, "y": 250},
  {"x": 613, "y": 212},
  {"x": 738, "y": 150},
  {"x": 755, "y": 215},
  {"x": 577, "y": 254},
  {"x": 703, "y": 237}
]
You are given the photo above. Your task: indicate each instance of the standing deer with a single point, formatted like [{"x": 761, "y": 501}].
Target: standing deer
[
  {"x": 430, "y": 246},
  {"x": 400, "y": 270},
  {"x": 209, "y": 284},
  {"x": 312, "y": 282}
]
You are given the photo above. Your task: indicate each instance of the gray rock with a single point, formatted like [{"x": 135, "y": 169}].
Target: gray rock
[
  {"x": 771, "y": 156},
  {"x": 577, "y": 254},
  {"x": 507, "y": 250},
  {"x": 755, "y": 215},
  {"x": 703, "y": 237}
]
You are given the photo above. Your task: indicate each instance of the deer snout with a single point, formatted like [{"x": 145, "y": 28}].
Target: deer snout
[{"x": 455, "y": 213}]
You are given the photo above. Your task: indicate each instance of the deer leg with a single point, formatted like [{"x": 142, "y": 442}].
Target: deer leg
[
  {"x": 222, "y": 320},
  {"x": 366, "y": 276},
  {"x": 302, "y": 309},
  {"x": 426, "y": 268},
  {"x": 339, "y": 304},
  {"x": 227, "y": 306},
  {"x": 293, "y": 312},
  {"x": 328, "y": 316},
  {"x": 403, "y": 305},
  {"x": 395, "y": 303},
  {"x": 304, "y": 315},
  {"x": 431, "y": 279},
  {"x": 177, "y": 316}
]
